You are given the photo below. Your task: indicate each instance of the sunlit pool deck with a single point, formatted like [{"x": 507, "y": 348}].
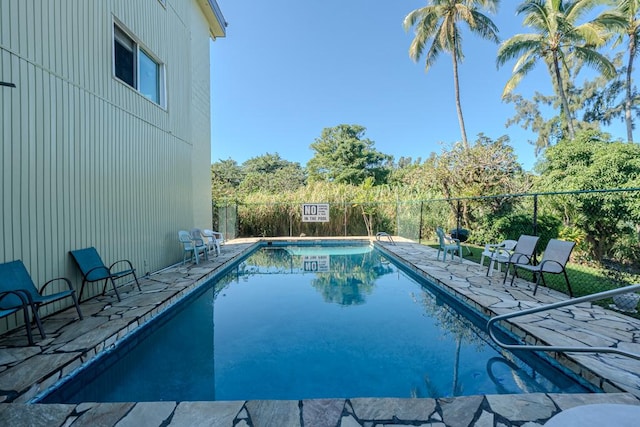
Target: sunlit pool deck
[{"x": 26, "y": 371}]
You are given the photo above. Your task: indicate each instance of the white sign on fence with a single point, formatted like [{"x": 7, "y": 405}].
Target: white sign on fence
[{"x": 315, "y": 212}]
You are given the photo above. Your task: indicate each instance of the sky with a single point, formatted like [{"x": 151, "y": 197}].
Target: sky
[{"x": 287, "y": 69}]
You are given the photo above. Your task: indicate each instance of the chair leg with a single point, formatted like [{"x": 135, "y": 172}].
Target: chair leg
[
  {"x": 540, "y": 276},
  {"x": 136, "y": 279},
  {"x": 513, "y": 276},
  {"x": 81, "y": 289},
  {"x": 507, "y": 267},
  {"x": 27, "y": 324},
  {"x": 566, "y": 278},
  {"x": 115, "y": 288},
  {"x": 104, "y": 287},
  {"x": 75, "y": 301},
  {"x": 36, "y": 317}
]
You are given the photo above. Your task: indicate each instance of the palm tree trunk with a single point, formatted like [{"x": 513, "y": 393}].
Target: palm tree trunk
[
  {"x": 463, "y": 131},
  {"x": 563, "y": 96},
  {"x": 627, "y": 103}
]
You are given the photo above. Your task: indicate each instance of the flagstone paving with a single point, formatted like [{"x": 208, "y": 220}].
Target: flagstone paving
[{"x": 25, "y": 371}]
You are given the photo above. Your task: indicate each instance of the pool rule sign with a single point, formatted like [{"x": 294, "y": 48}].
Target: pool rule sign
[{"x": 315, "y": 212}]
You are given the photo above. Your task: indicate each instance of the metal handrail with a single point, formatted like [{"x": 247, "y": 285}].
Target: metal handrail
[
  {"x": 572, "y": 301},
  {"x": 380, "y": 234}
]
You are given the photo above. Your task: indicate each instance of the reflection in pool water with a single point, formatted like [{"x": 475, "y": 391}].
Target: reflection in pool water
[{"x": 297, "y": 323}]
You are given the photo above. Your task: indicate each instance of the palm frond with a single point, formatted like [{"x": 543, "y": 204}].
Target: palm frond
[
  {"x": 516, "y": 46},
  {"x": 595, "y": 59}
]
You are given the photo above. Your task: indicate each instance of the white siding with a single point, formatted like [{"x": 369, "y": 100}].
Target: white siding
[{"x": 85, "y": 159}]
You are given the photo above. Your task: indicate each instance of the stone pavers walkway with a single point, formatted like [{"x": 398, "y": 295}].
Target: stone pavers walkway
[{"x": 26, "y": 371}]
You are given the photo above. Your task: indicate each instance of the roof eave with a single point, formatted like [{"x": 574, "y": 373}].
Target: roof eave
[{"x": 214, "y": 17}]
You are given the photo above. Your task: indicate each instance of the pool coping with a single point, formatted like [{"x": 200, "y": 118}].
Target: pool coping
[{"x": 63, "y": 357}]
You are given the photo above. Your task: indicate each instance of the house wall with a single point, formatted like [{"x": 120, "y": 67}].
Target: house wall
[{"x": 85, "y": 159}]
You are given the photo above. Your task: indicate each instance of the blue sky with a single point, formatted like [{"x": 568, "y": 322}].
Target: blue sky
[{"x": 289, "y": 68}]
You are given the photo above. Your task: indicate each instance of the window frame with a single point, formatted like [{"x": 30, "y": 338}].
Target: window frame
[{"x": 138, "y": 49}]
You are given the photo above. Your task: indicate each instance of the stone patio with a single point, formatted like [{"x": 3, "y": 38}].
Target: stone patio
[{"x": 27, "y": 371}]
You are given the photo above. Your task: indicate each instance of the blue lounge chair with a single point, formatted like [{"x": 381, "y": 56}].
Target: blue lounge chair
[
  {"x": 94, "y": 270},
  {"x": 7, "y": 308},
  {"x": 15, "y": 278}
]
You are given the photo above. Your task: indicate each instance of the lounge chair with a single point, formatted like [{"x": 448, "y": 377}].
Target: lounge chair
[
  {"x": 14, "y": 277},
  {"x": 447, "y": 244},
  {"x": 93, "y": 269},
  {"x": 192, "y": 247},
  {"x": 522, "y": 253},
  {"x": 554, "y": 260},
  {"x": 13, "y": 301},
  {"x": 497, "y": 253},
  {"x": 214, "y": 239}
]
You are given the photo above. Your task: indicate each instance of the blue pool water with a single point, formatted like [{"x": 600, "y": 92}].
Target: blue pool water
[{"x": 311, "y": 322}]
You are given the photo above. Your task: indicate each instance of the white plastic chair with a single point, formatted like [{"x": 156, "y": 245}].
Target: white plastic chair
[
  {"x": 191, "y": 246},
  {"x": 447, "y": 244},
  {"x": 214, "y": 239},
  {"x": 499, "y": 253}
]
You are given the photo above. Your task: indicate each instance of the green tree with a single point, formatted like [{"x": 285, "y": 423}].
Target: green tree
[
  {"x": 588, "y": 99},
  {"x": 270, "y": 173},
  {"x": 226, "y": 177},
  {"x": 606, "y": 99},
  {"x": 342, "y": 155},
  {"x": 489, "y": 167},
  {"x": 439, "y": 23},
  {"x": 592, "y": 162},
  {"x": 558, "y": 40}
]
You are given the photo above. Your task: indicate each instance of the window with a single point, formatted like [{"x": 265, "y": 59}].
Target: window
[{"x": 136, "y": 67}]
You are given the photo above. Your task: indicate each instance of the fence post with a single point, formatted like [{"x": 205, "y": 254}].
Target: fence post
[
  {"x": 458, "y": 220},
  {"x": 344, "y": 208},
  {"x": 420, "y": 226},
  {"x": 535, "y": 228},
  {"x": 535, "y": 215}
]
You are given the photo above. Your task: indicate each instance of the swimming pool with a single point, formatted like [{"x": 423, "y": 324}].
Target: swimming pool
[{"x": 297, "y": 322}]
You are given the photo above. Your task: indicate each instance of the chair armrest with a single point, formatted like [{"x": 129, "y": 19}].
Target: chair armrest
[
  {"x": 551, "y": 261},
  {"x": 121, "y": 261},
  {"x": 503, "y": 252},
  {"x": 101, "y": 267},
  {"x": 452, "y": 239},
  {"x": 24, "y": 297},
  {"x": 516, "y": 257},
  {"x": 55, "y": 280}
]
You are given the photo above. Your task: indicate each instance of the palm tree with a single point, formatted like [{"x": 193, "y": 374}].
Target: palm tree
[
  {"x": 628, "y": 11},
  {"x": 558, "y": 40},
  {"x": 439, "y": 22}
]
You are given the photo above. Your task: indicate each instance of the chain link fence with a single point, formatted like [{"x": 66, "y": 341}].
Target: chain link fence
[{"x": 605, "y": 224}]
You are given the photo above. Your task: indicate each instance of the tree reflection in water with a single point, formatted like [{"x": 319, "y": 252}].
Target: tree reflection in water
[
  {"x": 351, "y": 278},
  {"x": 451, "y": 323}
]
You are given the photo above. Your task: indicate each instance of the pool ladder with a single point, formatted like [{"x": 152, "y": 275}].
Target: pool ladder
[
  {"x": 381, "y": 234},
  {"x": 571, "y": 349}
]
